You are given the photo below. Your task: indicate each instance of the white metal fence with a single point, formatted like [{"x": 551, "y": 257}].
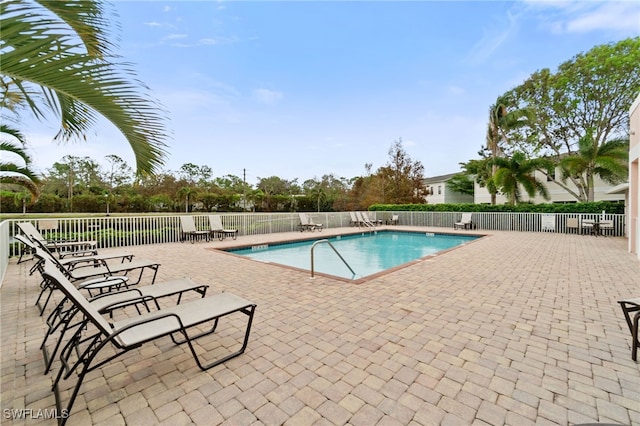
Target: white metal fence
[{"x": 160, "y": 229}]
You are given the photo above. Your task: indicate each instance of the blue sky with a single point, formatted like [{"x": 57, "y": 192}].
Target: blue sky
[{"x": 299, "y": 89}]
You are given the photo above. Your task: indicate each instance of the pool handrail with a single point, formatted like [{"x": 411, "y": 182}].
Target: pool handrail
[{"x": 313, "y": 246}]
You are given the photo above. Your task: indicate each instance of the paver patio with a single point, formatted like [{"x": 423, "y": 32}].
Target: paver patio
[{"x": 513, "y": 329}]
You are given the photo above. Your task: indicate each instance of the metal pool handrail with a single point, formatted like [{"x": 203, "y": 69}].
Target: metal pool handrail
[{"x": 334, "y": 249}]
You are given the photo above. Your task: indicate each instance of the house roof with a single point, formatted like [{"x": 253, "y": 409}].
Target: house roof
[
  {"x": 619, "y": 189},
  {"x": 441, "y": 178}
]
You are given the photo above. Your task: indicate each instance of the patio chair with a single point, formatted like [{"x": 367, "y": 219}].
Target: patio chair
[
  {"x": 573, "y": 224},
  {"x": 394, "y": 219},
  {"x": 69, "y": 260},
  {"x": 189, "y": 230},
  {"x": 464, "y": 223},
  {"x": 218, "y": 230},
  {"x": 306, "y": 223},
  {"x": 363, "y": 221},
  {"x": 588, "y": 226},
  {"x": 114, "y": 271},
  {"x": 605, "y": 227},
  {"x": 313, "y": 225},
  {"x": 354, "y": 219},
  {"x": 366, "y": 217},
  {"x": 63, "y": 316},
  {"x": 83, "y": 353},
  {"x": 30, "y": 231},
  {"x": 628, "y": 307}
]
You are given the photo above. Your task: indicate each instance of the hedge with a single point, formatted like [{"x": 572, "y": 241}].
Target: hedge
[{"x": 593, "y": 207}]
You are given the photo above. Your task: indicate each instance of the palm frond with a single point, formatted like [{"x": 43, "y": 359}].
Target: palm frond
[
  {"x": 87, "y": 19},
  {"x": 79, "y": 86}
]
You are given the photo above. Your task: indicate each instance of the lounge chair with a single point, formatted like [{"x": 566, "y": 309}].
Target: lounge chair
[
  {"x": 83, "y": 353},
  {"x": 93, "y": 277},
  {"x": 313, "y": 225},
  {"x": 394, "y": 219},
  {"x": 465, "y": 222},
  {"x": 628, "y": 307},
  {"x": 306, "y": 223},
  {"x": 63, "y": 316},
  {"x": 189, "y": 230},
  {"x": 218, "y": 230},
  {"x": 354, "y": 219},
  {"x": 30, "y": 231},
  {"x": 375, "y": 222},
  {"x": 364, "y": 221},
  {"x": 65, "y": 258}
]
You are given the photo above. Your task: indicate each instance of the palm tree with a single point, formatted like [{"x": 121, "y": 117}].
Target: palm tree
[
  {"x": 189, "y": 194},
  {"x": 518, "y": 171},
  {"x": 608, "y": 160},
  {"x": 12, "y": 173},
  {"x": 503, "y": 118},
  {"x": 57, "y": 57}
]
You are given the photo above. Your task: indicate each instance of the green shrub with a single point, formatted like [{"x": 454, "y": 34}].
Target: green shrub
[{"x": 611, "y": 207}]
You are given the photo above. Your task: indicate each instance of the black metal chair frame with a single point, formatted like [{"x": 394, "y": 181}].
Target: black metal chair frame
[
  {"x": 62, "y": 316},
  {"x": 628, "y": 307},
  {"x": 102, "y": 272},
  {"x": 95, "y": 333}
]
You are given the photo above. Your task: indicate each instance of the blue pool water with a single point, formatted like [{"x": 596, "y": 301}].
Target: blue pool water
[{"x": 366, "y": 253}]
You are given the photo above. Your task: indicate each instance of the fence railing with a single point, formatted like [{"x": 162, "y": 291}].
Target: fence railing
[{"x": 141, "y": 230}]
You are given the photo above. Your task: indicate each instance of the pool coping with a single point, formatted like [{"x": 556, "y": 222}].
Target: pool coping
[{"x": 365, "y": 279}]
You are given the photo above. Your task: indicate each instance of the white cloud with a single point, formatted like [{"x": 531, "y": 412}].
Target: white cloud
[
  {"x": 176, "y": 36},
  {"x": 267, "y": 96},
  {"x": 609, "y": 16},
  {"x": 562, "y": 17},
  {"x": 492, "y": 39}
]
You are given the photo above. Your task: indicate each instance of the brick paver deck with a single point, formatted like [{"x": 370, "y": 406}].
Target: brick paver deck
[{"x": 513, "y": 329}]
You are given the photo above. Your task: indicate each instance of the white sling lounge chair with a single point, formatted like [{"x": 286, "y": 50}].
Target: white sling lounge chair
[
  {"x": 69, "y": 260},
  {"x": 218, "y": 230},
  {"x": 189, "y": 230},
  {"x": 464, "y": 223},
  {"x": 30, "y": 231},
  {"x": 63, "y": 316},
  {"x": 306, "y": 223},
  {"x": 364, "y": 221},
  {"x": 83, "y": 352},
  {"x": 119, "y": 272}
]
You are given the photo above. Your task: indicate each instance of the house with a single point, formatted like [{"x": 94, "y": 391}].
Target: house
[
  {"x": 438, "y": 192},
  {"x": 557, "y": 194}
]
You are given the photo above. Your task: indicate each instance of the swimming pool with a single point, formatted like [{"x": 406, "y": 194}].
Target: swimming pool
[{"x": 367, "y": 253}]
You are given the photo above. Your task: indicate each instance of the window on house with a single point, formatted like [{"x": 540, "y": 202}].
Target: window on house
[
  {"x": 551, "y": 176},
  {"x": 439, "y": 189}
]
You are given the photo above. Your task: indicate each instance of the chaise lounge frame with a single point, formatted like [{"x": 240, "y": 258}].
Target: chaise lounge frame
[
  {"x": 628, "y": 307},
  {"x": 80, "y": 352},
  {"x": 62, "y": 317},
  {"x": 32, "y": 232},
  {"x": 96, "y": 270}
]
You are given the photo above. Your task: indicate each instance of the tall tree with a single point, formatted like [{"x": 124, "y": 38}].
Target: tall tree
[
  {"x": 518, "y": 171},
  {"x": 504, "y": 118},
  {"x": 75, "y": 175},
  {"x": 592, "y": 92},
  {"x": 402, "y": 178},
  {"x": 608, "y": 161},
  {"x": 59, "y": 57}
]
